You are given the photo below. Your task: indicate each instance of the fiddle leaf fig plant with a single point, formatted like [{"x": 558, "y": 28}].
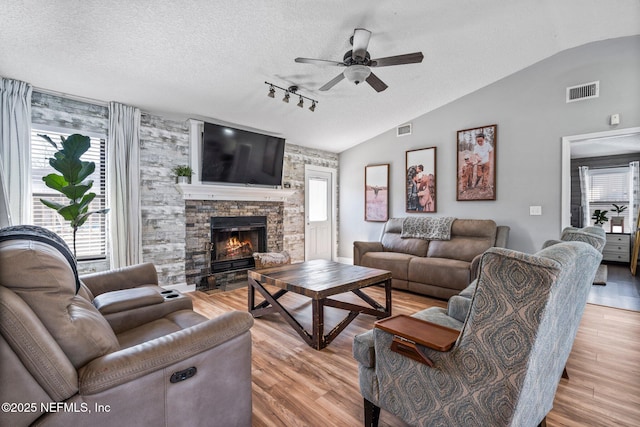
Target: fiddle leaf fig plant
[{"x": 71, "y": 181}]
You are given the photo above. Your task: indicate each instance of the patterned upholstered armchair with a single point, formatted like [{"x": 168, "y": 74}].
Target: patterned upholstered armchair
[
  {"x": 506, "y": 364},
  {"x": 595, "y": 236}
]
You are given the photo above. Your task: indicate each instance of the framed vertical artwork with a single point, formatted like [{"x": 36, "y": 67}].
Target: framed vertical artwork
[
  {"x": 421, "y": 180},
  {"x": 476, "y": 163},
  {"x": 376, "y": 193}
]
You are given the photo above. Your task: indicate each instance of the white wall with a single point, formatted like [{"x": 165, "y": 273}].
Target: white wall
[{"x": 532, "y": 116}]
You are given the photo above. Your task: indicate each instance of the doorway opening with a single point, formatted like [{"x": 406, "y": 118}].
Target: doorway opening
[{"x": 602, "y": 144}]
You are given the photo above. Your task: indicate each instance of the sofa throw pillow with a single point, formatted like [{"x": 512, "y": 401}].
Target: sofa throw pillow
[{"x": 433, "y": 228}]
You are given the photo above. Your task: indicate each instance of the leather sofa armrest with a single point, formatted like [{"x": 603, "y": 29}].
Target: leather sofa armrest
[
  {"x": 127, "y": 299},
  {"x": 121, "y": 278},
  {"x": 127, "y": 365},
  {"x": 474, "y": 268},
  {"x": 361, "y": 248},
  {"x": 502, "y": 236}
]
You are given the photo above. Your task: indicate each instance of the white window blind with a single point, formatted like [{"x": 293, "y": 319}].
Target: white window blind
[
  {"x": 91, "y": 238},
  {"x": 609, "y": 185}
]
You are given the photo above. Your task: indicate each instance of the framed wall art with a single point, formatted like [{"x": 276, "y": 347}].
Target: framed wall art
[
  {"x": 421, "y": 180},
  {"x": 476, "y": 163},
  {"x": 376, "y": 193}
]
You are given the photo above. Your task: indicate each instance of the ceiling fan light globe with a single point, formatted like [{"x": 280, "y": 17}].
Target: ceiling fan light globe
[{"x": 357, "y": 73}]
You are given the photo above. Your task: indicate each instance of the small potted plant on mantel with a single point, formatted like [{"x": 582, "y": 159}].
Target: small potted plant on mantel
[
  {"x": 183, "y": 173},
  {"x": 600, "y": 217},
  {"x": 617, "y": 222}
]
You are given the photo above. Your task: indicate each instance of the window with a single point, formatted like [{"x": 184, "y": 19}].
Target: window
[
  {"x": 91, "y": 238},
  {"x": 609, "y": 186},
  {"x": 318, "y": 196}
]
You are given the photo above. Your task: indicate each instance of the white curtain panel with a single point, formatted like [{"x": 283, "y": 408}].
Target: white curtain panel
[
  {"x": 634, "y": 194},
  {"x": 15, "y": 152},
  {"x": 123, "y": 183},
  {"x": 583, "y": 172}
]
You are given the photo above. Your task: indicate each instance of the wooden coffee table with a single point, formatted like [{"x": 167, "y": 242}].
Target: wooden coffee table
[{"x": 318, "y": 280}]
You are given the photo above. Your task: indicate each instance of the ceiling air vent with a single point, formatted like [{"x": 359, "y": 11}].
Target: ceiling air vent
[
  {"x": 404, "y": 130},
  {"x": 583, "y": 91}
]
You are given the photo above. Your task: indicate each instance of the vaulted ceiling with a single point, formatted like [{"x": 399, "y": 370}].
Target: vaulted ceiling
[{"x": 210, "y": 59}]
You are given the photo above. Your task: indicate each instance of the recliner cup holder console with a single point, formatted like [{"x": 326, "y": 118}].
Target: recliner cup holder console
[{"x": 170, "y": 294}]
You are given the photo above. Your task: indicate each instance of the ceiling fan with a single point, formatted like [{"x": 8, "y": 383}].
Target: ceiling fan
[{"x": 358, "y": 62}]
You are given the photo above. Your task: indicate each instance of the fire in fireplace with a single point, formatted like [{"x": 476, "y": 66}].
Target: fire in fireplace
[{"x": 234, "y": 240}]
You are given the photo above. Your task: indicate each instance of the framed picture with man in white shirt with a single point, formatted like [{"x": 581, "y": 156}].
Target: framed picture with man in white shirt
[{"x": 476, "y": 163}]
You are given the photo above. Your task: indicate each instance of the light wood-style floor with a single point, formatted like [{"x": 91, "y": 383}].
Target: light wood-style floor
[{"x": 294, "y": 385}]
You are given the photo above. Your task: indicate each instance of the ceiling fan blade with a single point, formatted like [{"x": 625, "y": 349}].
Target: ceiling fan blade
[
  {"x": 409, "y": 58},
  {"x": 360, "y": 43},
  {"x": 376, "y": 83},
  {"x": 333, "y": 82},
  {"x": 319, "y": 62}
]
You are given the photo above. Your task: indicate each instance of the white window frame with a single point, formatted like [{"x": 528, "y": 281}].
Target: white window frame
[
  {"x": 86, "y": 251},
  {"x": 604, "y": 204}
]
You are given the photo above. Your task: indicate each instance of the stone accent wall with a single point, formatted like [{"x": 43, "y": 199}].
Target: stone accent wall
[
  {"x": 173, "y": 231},
  {"x": 198, "y": 236},
  {"x": 164, "y": 144}
]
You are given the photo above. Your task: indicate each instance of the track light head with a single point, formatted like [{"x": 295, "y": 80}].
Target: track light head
[
  {"x": 272, "y": 92},
  {"x": 301, "y": 103},
  {"x": 286, "y": 98},
  {"x": 313, "y": 106}
]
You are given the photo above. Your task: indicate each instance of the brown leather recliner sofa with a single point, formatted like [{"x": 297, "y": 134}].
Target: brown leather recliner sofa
[
  {"x": 148, "y": 359},
  {"x": 436, "y": 268}
]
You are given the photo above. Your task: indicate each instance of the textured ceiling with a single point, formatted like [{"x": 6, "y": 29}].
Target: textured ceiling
[{"x": 210, "y": 59}]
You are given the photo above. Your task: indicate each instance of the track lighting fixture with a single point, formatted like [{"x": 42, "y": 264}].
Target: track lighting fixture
[{"x": 287, "y": 95}]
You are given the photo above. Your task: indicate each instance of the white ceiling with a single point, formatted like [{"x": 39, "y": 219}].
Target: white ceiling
[
  {"x": 606, "y": 146},
  {"x": 210, "y": 59}
]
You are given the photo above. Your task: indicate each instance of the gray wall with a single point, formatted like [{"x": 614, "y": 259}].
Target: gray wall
[{"x": 532, "y": 116}]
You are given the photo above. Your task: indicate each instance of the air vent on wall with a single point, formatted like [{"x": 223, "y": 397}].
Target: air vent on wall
[
  {"x": 404, "y": 130},
  {"x": 583, "y": 91}
]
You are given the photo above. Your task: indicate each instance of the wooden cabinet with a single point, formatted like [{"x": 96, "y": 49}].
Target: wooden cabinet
[{"x": 617, "y": 247}]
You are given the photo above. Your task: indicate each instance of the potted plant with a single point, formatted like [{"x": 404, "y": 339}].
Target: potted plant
[
  {"x": 600, "y": 217},
  {"x": 183, "y": 173},
  {"x": 617, "y": 222},
  {"x": 70, "y": 182}
]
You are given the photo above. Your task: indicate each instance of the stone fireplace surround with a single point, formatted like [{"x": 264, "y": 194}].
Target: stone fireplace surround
[{"x": 198, "y": 217}]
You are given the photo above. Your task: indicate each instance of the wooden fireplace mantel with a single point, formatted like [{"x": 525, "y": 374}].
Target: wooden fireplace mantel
[{"x": 232, "y": 192}]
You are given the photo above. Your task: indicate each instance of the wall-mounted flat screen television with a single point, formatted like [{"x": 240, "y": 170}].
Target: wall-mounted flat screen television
[{"x": 237, "y": 156}]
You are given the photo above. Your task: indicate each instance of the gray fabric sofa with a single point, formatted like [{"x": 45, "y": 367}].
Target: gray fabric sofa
[{"x": 437, "y": 268}]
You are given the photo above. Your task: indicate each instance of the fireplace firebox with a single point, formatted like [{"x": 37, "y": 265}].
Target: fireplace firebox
[{"x": 234, "y": 239}]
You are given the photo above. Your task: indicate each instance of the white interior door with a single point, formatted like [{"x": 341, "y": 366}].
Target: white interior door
[{"x": 319, "y": 199}]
